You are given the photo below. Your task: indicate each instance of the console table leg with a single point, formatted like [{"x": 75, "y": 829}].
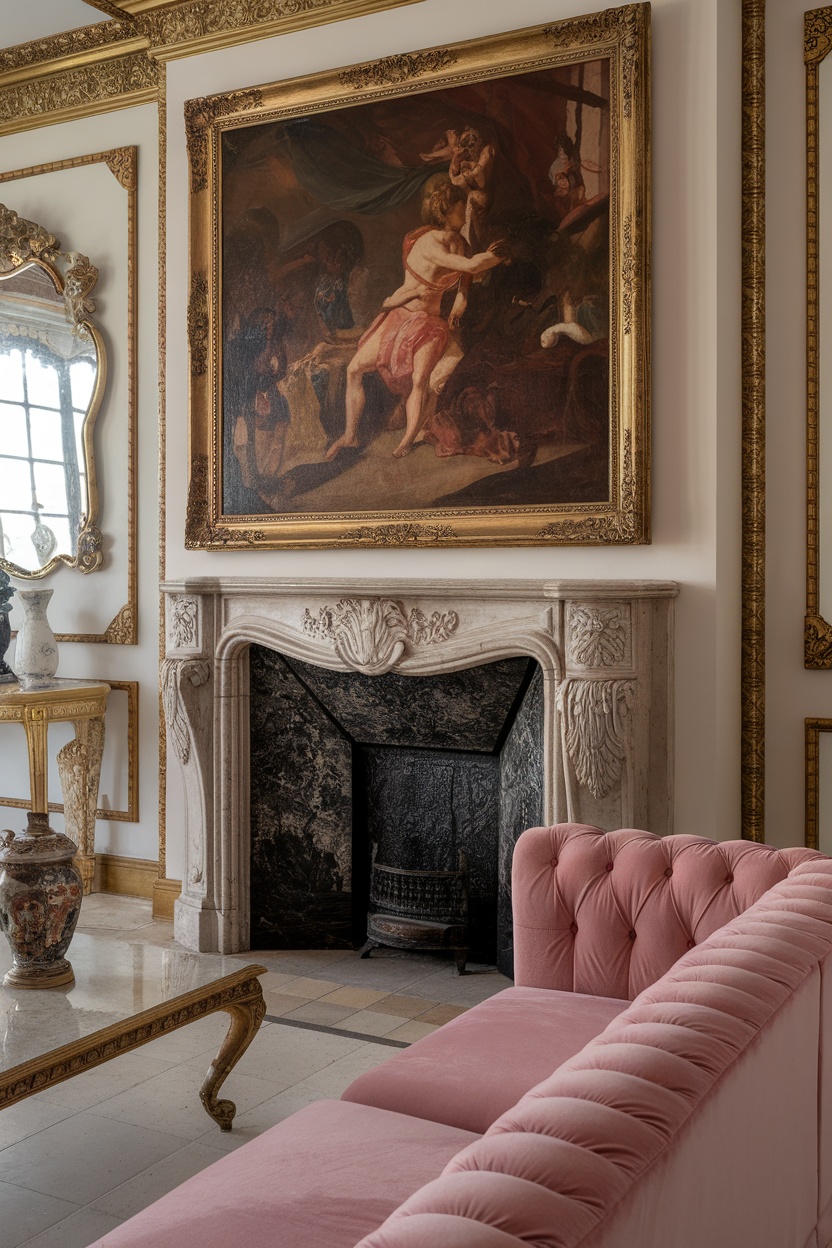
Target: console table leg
[
  {"x": 79, "y": 767},
  {"x": 246, "y": 1017}
]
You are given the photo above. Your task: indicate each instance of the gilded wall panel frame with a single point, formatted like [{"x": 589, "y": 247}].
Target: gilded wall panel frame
[
  {"x": 131, "y": 814},
  {"x": 817, "y": 637},
  {"x": 812, "y": 730},
  {"x": 589, "y": 77},
  {"x": 123, "y": 164},
  {"x": 753, "y": 541}
]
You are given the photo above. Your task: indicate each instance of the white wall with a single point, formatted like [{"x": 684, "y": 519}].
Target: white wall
[
  {"x": 696, "y": 391},
  {"x": 87, "y": 209}
]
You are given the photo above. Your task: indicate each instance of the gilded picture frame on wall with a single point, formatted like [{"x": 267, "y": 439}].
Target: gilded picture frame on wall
[{"x": 419, "y": 304}]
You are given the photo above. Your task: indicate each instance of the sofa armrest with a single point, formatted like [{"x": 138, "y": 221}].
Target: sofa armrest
[{"x": 607, "y": 913}]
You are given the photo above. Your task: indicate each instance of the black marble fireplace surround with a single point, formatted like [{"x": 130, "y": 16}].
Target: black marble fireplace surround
[{"x": 419, "y": 766}]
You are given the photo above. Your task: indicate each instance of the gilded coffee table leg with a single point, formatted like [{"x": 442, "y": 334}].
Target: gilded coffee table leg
[
  {"x": 79, "y": 767},
  {"x": 246, "y": 1017}
]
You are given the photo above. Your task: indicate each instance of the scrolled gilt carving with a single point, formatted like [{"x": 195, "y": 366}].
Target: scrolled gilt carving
[
  {"x": 394, "y": 69},
  {"x": 198, "y": 324},
  {"x": 199, "y": 530},
  {"x": 77, "y": 88},
  {"x": 817, "y": 643},
  {"x": 79, "y": 283},
  {"x": 121, "y": 631},
  {"x": 399, "y": 534},
  {"x": 623, "y": 23},
  {"x": 22, "y": 240},
  {"x": 620, "y": 527},
  {"x": 121, "y": 162},
  {"x": 598, "y": 636},
  {"x": 199, "y": 114},
  {"x": 90, "y": 554},
  {"x": 175, "y": 672},
  {"x": 629, "y": 275},
  {"x": 57, "y": 47},
  {"x": 817, "y": 35},
  {"x": 370, "y": 635},
  {"x": 597, "y": 729}
]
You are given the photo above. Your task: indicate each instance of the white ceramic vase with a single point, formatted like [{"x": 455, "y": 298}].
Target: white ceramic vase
[{"x": 36, "y": 651}]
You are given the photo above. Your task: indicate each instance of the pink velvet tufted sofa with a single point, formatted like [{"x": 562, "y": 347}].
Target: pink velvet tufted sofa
[{"x": 659, "y": 1076}]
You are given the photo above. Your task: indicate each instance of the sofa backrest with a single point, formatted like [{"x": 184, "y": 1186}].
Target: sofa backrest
[
  {"x": 607, "y": 913},
  {"x": 693, "y": 1118}
]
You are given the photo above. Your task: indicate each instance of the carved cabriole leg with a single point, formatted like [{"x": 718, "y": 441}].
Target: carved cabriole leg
[
  {"x": 79, "y": 767},
  {"x": 35, "y": 722},
  {"x": 246, "y": 1017}
]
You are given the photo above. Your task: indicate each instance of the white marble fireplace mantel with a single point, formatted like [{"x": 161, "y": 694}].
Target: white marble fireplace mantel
[{"x": 604, "y": 647}]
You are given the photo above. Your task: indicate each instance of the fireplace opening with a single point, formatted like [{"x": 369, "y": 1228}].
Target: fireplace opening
[{"x": 413, "y": 771}]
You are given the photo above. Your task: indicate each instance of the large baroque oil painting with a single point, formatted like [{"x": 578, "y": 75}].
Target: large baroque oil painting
[{"x": 418, "y": 299}]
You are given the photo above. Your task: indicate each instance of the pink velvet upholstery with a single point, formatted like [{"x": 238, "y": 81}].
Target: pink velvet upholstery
[
  {"x": 475, "y": 1068},
  {"x": 569, "y": 1164},
  {"x": 608, "y": 913},
  {"x": 323, "y": 1178}
]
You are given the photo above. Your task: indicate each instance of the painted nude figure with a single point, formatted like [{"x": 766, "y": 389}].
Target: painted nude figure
[{"x": 409, "y": 336}]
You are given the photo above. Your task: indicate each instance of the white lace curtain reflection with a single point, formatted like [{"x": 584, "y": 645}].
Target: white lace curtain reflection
[{"x": 44, "y": 400}]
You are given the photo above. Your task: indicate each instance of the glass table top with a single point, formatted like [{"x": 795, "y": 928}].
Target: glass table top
[{"x": 114, "y": 980}]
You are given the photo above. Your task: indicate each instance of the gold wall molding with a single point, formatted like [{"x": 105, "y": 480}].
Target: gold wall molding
[
  {"x": 812, "y": 728},
  {"x": 817, "y": 631},
  {"x": 68, "y": 50},
  {"x": 394, "y": 69},
  {"x": 162, "y": 465},
  {"x": 123, "y": 164},
  {"x": 78, "y": 92},
  {"x": 131, "y": 814},
  {"x": 753, "y": 420},
  {"x": 165, "y": 893},
  {"x": 131, "y": 877}
]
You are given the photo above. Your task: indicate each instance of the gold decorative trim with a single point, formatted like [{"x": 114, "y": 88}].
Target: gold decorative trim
[
  {"x": 621, "y": 25},
  {"x": 614, "y": 528},
  {"x": 239, "y": 995},
  {"x": 198, "y": 324},
  {"x": 123, "y": 163},
  {"x": 199, "y": 531},
  {"x": 395, "y": 69},
  {"x": 78, "y": 92},
  {"x": 162, "y": 465},
  {"x": 817, "y": 642},
  {"x": 131, "y": 814},
  {"x": 113, "y": 10},
  {"x": 629, "y": 275},
  {"x": 165, "y": 893},
  {"x": 202, "y": 113},
  {"x": 812, "y": 728},
  {"x": 753, "y": 420},
  {"x": 68, "y": 50},
  {"x": 194, "y": 26},
  {"x": 400, "y": 534},
  {"x": 129, "y": 877}
]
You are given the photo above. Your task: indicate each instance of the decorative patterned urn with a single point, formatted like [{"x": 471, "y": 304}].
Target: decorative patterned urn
[
  {"x": 36, "y": 651},
  {"x": 40, "y": 900}
]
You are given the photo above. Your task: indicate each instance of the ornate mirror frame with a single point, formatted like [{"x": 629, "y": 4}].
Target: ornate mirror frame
[
  {"x": 817, "y": 637},
  {"x": 24, "y": 243}
]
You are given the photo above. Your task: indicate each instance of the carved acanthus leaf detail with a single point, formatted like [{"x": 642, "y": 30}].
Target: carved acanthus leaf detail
[
  {"x": 69, "y": 43},
  {"x": 174, "y": 673},
  {"x": 817, "y": 35},
  {"x": 597, "y": 636},
  {"x": 817, "y": 643},
  {"x": 597, "y": 729},
  {"x": 121, "y": 162},
  {"x": 22, "y": 240},
  {"x": 394, "y": 69},
  {"x": 198, "y": 324},
  {"x": 399, "y": 534},
  {"x": 79, "y": 283},
  {"x": 199, "y": 115},
  {"x": 370, "y": 634},
  {"x": 184, "y": 614},
  {"x": 121, "y": 631},
  {"x": 75, "y": 88}
]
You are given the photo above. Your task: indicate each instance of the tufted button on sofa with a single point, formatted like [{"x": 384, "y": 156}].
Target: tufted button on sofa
[{"x": 660, "y": 1075}]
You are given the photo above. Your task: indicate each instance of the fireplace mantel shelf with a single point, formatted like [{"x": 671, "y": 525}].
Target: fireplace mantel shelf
[{"x": 509, "y": 589}]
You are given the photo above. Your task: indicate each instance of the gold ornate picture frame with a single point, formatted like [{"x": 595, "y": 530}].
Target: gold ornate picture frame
[{"x": 420, "y": 298}]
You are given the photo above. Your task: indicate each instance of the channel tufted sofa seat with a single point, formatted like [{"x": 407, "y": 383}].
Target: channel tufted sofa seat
[{"x": 657, "y": 1077}]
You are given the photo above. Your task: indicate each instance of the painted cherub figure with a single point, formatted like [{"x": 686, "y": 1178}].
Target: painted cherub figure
[{"x": 471, "y": 166}]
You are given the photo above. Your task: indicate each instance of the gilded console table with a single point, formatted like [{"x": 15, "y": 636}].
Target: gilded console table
[{"x": 83, "y": 703}]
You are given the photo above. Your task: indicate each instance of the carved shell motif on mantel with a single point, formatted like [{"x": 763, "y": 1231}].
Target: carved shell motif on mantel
[{"x": 371, "y": 635}]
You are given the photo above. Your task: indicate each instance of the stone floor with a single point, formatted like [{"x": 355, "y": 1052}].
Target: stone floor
[{"x": 77, "y": 1159}]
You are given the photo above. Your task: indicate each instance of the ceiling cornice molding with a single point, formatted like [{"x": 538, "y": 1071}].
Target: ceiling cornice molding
[{"x": 80, "y": 91}]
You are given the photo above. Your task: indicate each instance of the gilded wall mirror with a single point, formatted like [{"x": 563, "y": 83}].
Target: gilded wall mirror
[
  {"x": 818, "y": 628},
  {"x": 53, "y": 370}
]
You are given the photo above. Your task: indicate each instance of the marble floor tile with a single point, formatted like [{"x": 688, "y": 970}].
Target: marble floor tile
[
  {"x": 358, "y": 998},
  {"x": 402, "y": 1006},
  {"x": 370, "y": 1023},
  {"x": 28, "y": 1117},
  {"x": 108, "y": 910},
  {"x": 411, "y": 1031},
  {"x": 310, "y": 989},
  {"x": 187, "y": 1041},
  {"x": 439, "y": 1014},
  {"x": 459, "y": 989},
  {"x": 285, "y": 1055},
  {"x": 83, "y": 1156},
  {"x": 94, "y": 1086},
  {"x": 326, "y": 1014},
  {"x": 139, "y": 1192},
  {"x": 170, "y": 1101},
  {"x": 279, "y": 1003},
  {"x": 77, "y": 1231},
  {"x": 24, "y": 1213}
]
